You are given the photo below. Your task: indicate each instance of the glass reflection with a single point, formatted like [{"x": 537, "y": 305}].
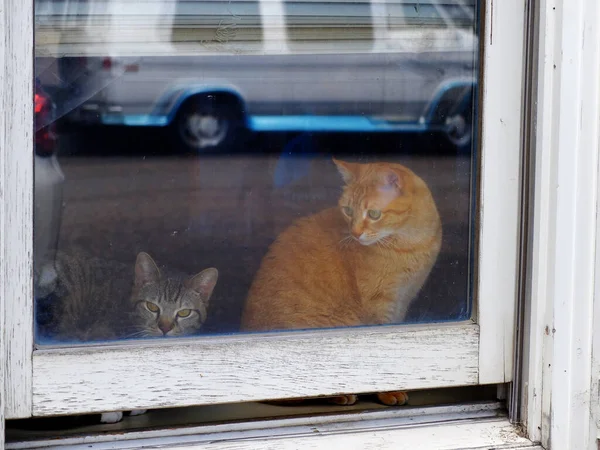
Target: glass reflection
[{"x": 252, "y": 165}]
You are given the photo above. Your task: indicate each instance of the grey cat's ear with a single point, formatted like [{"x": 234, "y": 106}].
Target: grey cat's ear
[
  {"x": 204, "y": 282},
  {"x": 146, "y": 270},
  {"x": 348, "y": 171}
]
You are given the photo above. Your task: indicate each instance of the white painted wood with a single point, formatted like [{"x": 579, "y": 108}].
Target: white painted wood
[
  {"x": 498, "y": 434},
  {"x": 539, "y": 314},
  {"x": 595, "y": 375},
  {"x": 3, "y": 125},
  {"x": 595, "y": 368},
  {"x": 16, "y": 201},
  {"x": 2, "y": 346},
  {"x": 365, "y": 434},
  {"x": 406, "y": 416},
  {"x": 233, "y": 369},
  {"x": 561, "y": 390},
  {"x": 502, "y": 91}
]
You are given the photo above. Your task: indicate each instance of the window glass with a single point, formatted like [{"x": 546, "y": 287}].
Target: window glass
[
  {"x": 333, "y": 26},
  {"x": 240, "y": 166}
]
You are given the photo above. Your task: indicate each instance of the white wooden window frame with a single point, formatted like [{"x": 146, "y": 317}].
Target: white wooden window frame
[
  {"x": 561, "y": 372},
  {"x": 242, "y": 368}
]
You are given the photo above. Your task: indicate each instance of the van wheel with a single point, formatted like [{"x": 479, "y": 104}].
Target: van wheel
[
  {"x": 459, "y": 130},
  {"x": 208, "y": 123}
]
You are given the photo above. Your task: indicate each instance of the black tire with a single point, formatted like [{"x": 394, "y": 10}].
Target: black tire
[
  {"x": 459, "y": 130},
  {"x": 208, "y": 123},
  {"x": 452, "y": 109}
]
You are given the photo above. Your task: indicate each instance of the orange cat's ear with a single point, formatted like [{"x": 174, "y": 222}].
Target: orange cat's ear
[
  {"x": 146, "y": 270},
  {"x": 393, "y": 180},
  {"x": 349, "y": 171}
]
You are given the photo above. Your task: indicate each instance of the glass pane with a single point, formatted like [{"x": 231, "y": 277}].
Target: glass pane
[{"x": 206, "y": 167}]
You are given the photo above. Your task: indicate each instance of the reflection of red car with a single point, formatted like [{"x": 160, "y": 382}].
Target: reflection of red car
[
  {"x": 45, "y": 138},
  {"x": 48, "y": 183}
]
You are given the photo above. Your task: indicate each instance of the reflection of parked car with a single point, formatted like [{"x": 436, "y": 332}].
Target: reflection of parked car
[
  {"x": 48, "y": 181},
  {"x": 370, "y": 66},
  {"x": 384, "y": 93}
]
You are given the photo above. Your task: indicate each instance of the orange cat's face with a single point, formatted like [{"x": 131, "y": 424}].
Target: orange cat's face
[{"x": 376, "y": 201}]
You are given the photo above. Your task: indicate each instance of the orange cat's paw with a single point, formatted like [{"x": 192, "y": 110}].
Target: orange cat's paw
[
  {"x": 344, "y": 399},
  {"x": 395, "y": 398}
]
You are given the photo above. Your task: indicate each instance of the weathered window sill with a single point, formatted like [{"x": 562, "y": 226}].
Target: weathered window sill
[{"x": 469, "y": 426}]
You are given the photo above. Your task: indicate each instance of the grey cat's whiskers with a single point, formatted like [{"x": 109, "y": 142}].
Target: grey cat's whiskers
[{"x": 139, "y": 334}]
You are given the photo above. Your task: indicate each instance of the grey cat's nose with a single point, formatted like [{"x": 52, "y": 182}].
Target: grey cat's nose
[{"x": 165, "y": 327}]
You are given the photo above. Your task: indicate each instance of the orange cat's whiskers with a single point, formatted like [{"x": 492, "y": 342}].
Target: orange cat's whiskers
[
  {"x": 386, "y": 242},
  {"x": 380, "y": 244},
  {"x": 344, "y": 242}
]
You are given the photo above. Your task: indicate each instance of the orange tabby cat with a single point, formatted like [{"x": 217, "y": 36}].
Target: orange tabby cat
[{"x": 359, "y": 264}]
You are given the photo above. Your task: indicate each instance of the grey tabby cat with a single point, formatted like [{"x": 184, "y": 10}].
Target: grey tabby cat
[
  {"x": 169, "y": 306},
  {"x": 95, "y": 301}
]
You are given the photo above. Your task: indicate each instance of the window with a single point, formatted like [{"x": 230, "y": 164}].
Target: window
[
  {"x": 227, "y": 199},
  {"x": 336, "y": 27},
  {"x": 469, "y": 310}
]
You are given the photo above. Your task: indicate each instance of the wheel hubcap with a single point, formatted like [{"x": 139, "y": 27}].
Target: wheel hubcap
[
  {"x": 202, "y": 130},
  {"x": 458, "y": 130},
  {"x": 203, "y": 126}
]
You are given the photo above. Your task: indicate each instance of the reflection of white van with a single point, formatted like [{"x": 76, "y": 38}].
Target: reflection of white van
[{"x": 208, "y": 68}]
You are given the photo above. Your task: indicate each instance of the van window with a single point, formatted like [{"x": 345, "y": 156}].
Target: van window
[{"x": 332, "y": 26}]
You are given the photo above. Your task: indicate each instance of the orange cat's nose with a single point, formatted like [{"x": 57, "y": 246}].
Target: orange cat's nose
[{"x": 357, "y": 233}]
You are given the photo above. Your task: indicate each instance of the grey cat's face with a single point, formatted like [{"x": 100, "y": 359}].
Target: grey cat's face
[{"x": 169, "y": 307}]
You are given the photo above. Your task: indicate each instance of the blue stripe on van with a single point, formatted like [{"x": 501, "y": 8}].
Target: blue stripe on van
[
  {"x": 329, "y": 123},
  {"x": 285, "y": 123},
  {"x": 135, "y": 120}
]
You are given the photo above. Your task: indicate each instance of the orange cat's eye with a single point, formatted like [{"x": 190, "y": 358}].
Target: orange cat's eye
[
  {"x": 348, "y": 211},
  {"x": 374, "y": 214},
  {"x": 184, "y": 313},
  {"x": 152, "y": 307}
]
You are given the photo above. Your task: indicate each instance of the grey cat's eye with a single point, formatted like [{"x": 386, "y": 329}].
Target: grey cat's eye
[
  {"x": 374, "y": 214},
  {"x": 348, "y": 210},
  {"x": 152, "y": 307},
  {"x": 184, "y": 313}
]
